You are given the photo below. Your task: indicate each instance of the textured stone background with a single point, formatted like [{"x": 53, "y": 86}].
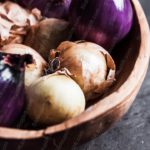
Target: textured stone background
[{"x": 133, "y": 131}]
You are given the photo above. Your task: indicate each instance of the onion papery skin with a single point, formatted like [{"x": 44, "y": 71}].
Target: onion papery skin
[
  {"x": 89, "y": 65},
  {"x": 104, "y": 22},
  {"x": 15, "y": 22}
]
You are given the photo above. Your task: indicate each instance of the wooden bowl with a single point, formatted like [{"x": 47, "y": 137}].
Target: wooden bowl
[{"x": 132, "y": 65}]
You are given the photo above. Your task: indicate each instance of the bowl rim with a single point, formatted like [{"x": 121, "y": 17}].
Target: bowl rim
[{"x": 105, "y": 103}]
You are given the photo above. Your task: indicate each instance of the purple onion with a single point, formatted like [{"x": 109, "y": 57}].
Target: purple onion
[
  {"x": 12, "y": 95},
  {"x": 49, "y": 8},
  {"x": 104, "y": 22}
]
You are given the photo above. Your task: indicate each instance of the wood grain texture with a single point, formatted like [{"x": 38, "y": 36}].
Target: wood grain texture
[{"x": 105, "y": 112}]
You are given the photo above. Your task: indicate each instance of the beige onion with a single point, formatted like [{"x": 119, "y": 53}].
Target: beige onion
[
  {"x": 47, "y": 35},
  {"x": 54, "y": 98},
  {"x": 90, "y": 65},
  {"x": 32, "y": 71}
]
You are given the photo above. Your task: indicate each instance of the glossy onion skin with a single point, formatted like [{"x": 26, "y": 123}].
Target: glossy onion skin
[
  {"x": 49, "y": 8},
  {"x": 12, "y": 98},
  {"x": 104, "y": 22}
]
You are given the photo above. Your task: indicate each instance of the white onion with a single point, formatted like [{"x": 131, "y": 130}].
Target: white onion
[{"x": 54, "y": 98}]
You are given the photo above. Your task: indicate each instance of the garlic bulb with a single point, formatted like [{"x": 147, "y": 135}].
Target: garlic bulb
[
  {"x": 54, "y": 98},
  {"x": 47, "y": 35},
  {"x": 90, "y": 65}
]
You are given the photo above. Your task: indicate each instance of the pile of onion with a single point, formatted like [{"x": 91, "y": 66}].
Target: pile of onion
[{"x": 75, "y": 72}]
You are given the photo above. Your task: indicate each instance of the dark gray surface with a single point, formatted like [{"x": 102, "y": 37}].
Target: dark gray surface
[{"x": 133, "y": 131}]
